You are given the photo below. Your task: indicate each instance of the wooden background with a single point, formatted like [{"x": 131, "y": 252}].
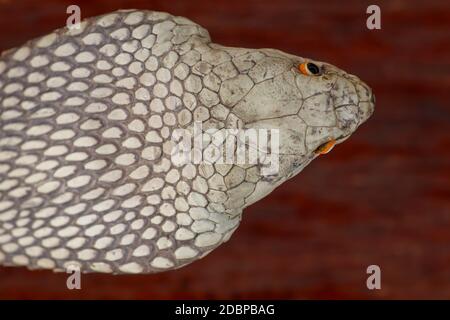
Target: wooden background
[{"x": 382, "y": 197}]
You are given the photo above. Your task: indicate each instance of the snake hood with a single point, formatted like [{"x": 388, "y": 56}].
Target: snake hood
[{"x": 87, "y": 123}]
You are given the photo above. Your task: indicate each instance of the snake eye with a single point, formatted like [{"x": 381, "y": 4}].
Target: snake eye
[
  {"x": 309, "y": 69},
  {"x": 326, "y": 147}
]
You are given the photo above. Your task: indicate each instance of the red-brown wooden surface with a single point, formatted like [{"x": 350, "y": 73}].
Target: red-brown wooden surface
[{"x": 382, "y": 197}]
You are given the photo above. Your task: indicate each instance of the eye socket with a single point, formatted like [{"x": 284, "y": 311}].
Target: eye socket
[
  {"x": 309, "y": 69},
  {"x": 326, "y": 147}
]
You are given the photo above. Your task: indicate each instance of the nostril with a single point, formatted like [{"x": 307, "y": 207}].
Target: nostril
[{"x": 372, "y": 99}]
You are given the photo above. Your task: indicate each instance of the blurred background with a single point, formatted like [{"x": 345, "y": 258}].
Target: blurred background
[{"x": 382, "y": 197}]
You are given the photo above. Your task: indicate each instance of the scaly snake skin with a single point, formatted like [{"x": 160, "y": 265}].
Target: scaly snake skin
[{"x": 86, "y": 117}]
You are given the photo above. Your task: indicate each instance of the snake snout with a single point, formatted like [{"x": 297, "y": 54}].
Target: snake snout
[
  {"x": 353, "y": 100},
  {"x": 366, "y": 105}
]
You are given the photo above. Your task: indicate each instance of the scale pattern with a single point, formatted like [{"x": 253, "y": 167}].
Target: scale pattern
[{"x": 86, "y": 117}]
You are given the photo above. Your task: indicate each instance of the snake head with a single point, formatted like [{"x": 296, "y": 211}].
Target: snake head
[{"x": 314, "y": 105}]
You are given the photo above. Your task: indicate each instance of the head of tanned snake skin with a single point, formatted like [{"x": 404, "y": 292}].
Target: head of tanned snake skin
[{"x": 313, "y": 112}]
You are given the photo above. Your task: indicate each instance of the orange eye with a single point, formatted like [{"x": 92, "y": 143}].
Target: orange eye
[
  {"x": 326, "y": 147},
  {"x": 309, "y": 69}
]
